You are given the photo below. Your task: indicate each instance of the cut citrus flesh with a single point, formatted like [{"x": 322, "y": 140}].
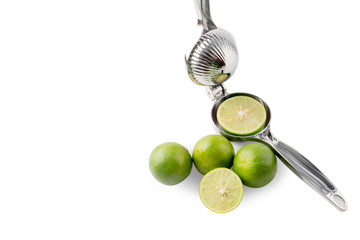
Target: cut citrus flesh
[
  {"x": 221, "y": 190},
  {"x": 241, "y": 115}
]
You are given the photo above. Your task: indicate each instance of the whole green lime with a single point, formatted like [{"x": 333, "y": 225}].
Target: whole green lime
[
  {"x": 213, "y": 151},
  {"x": 170, "y": 163},
  {"x": 255, "y": 164}
]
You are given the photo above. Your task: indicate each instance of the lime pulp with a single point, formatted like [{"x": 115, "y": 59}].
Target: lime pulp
[
  {"x": 221, "y": 190},
  {"x": 241, "y": 115}
]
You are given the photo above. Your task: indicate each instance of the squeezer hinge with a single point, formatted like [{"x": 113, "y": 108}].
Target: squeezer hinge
[{"x": 216, "y": 92}]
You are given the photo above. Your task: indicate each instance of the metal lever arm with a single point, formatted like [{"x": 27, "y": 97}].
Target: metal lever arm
[
  {"x": 204, "y": 17},
  {"x": 306, "y": 171}
]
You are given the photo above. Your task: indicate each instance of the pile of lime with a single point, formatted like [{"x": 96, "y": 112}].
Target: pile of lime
[{"x": 221, "y": 189}]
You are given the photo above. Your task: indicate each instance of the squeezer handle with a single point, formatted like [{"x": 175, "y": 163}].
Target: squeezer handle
[{"x": 306, "y": 171}]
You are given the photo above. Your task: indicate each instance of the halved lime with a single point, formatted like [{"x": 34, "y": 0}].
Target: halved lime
[
  {"x": 241, "y": 115},
  {"x": 221, "y": 190}
]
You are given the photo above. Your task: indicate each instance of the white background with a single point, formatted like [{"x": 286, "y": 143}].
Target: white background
[{"x": 89, "y": 88}]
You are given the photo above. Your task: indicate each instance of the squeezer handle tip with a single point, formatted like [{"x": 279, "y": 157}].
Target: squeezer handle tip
[{"x": 337, "y": 199}]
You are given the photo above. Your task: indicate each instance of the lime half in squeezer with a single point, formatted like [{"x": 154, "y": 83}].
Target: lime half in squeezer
[{"x": 241, "y": 115}]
